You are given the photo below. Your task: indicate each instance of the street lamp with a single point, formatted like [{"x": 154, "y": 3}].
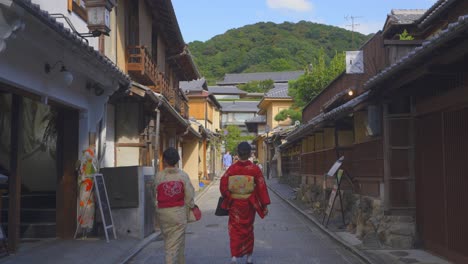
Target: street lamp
[{"x": 99, "y": 15}]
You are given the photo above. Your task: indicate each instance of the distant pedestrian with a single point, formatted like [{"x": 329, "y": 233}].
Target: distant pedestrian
[
  {"x": 174, "y": 193},
  {"x": 245, "y": 194},
  {"x": 227, "y": 160}
]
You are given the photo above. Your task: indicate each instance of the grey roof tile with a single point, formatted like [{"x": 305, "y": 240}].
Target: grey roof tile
[
  {"x": 239, "y": 78},
  {"x": 405, "y": 16},
  {"x": 195, "y": 85},
  {"x": 239, "y": 106},
  {"x": 436, "y": 8},
  {"x": 279, "y": 91},
  {"x": 257, "y": 119},
  {"x": 225, "y": 90}
]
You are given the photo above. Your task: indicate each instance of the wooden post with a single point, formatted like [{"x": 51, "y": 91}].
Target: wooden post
[
  {"x": 67, "y": 146},
  {"x": 14, "y": 196}
]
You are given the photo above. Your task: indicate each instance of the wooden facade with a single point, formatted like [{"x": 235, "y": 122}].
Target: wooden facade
[{"x": 416, "y": 161}]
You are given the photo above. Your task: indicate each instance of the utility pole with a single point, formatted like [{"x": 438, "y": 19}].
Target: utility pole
[{"x": 353, "y": 26}]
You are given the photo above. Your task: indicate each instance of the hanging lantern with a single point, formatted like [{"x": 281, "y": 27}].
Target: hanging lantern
[{"x": 99, "y": 16}]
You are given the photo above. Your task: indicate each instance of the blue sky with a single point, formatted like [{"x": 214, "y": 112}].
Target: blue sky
[{"x": 204, "y": 19}]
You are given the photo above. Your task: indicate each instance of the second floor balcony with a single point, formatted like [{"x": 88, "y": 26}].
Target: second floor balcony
[{"x": 142, "y": 68}]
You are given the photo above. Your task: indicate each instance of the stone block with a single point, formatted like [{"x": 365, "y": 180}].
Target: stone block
[{"x": 402, "y": 242}]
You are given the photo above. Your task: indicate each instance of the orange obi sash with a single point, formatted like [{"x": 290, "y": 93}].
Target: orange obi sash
[{"x": 241, "y": 186}]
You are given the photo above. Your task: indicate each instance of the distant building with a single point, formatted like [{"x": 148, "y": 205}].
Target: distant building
[
  {"x": 237, "y": 112},
  {"x": 242, "y": 78}
]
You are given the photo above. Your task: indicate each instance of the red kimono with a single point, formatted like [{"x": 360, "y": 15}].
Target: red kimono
[{"x": 245, "y": 193}]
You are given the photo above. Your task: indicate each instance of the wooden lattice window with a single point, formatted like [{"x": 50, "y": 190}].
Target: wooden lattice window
[{"x": 78, "y": 7}]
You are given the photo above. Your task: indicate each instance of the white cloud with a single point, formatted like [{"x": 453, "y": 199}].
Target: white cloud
[{"x": 296, "y": 5}]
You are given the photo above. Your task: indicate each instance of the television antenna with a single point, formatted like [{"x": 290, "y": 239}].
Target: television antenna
[{"x": 353, "y": 26}]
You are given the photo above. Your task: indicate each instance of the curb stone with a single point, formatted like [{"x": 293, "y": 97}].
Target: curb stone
[
  {"x": 326, "y": 231},
  {"x": 139, "y": 246}
]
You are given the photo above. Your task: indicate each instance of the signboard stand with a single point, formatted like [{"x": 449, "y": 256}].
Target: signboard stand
[
  {"x": 102, "y": 200},
  {"x": 338, "y": 174},
  {"x": 104, "y": 206}
]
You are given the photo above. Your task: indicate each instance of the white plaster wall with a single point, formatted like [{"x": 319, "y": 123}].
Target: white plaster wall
[
  {"x": 109, "y": 157},
  {"x": 22, "y": 66},
  {"x": 61, "y": 7},
  {"x": 144, "y": 17}
]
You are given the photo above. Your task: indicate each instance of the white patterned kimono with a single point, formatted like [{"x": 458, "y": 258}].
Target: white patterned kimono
[{"x": 174, "y": 193}]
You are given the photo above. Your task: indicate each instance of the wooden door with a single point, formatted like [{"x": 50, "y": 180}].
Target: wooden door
[
  {"x": 399, "y": 157},
  {"x": 442, "y": 183}
]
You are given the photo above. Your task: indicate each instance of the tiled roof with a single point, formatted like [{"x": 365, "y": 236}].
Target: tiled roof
[
  {"x": 432, "y": 12},
  {"x": 66, "y": 33},
  {"x": 257, "y": 119},
  {"x": 225, "y": 90},
  {"x": 239, "y": 78},
  {"x": 195, "y": 85},
  {"x": 405, "y": 16},
  {"x": 453, "y": 29},
  {"x": 334, "y": 113},
  {"x": 239, "y": 106},
  {"x": 279, "y": 91}
]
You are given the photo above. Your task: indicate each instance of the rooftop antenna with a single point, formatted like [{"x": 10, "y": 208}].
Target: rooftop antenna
[{"x": 353, "y": 26}]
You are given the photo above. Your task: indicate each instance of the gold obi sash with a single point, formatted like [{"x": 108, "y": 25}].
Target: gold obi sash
[{"x": 241, "y": 186}]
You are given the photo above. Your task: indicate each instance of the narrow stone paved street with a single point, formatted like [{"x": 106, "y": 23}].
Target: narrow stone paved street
[{"x": 283, "y": 236}]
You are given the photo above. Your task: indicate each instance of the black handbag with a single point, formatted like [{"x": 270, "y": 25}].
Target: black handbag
[{"x": 221, "y": 211}]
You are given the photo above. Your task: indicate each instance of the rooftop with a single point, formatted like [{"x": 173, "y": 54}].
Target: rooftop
[
  {"x": 225, "y": 90},
  {"x": 195, "y": 85},
  {"x": 240, "y": 78},
  {"x": 279, "y": 91},
  {"x": 405, "y": 16},
  {"x": 240, "y": 106},
  {"x": 257, "y": 119}
]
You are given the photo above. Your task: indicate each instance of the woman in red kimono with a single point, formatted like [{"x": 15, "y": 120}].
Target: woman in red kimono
[{"x": 245, "y": 193}]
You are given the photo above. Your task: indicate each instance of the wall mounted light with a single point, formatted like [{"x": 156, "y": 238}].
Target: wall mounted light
[
  {"x": 96, "y": 88},
  {"x": 64, "y": 75}
]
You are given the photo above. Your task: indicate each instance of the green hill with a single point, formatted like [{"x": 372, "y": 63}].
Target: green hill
[{"x": 268, "y": 46}]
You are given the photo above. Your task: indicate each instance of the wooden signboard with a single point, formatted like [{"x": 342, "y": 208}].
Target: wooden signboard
[
  {"x": 337, "y": 173},
  {"x": 104, "y": 206}
]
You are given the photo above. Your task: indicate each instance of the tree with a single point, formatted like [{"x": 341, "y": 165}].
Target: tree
[
  {"x": 316, "y": 78},
  {"x": 406, "y": 36},
  {"x": 232, "y": 137},
  {"x": 294, "y": 113}
]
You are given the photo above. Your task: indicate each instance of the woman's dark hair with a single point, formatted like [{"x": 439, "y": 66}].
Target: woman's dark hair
[
  {"x": 171, "y": 156},
  {"x": 244, "y": 150}
]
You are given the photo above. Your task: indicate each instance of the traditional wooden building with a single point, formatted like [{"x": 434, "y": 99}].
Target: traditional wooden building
[
  {"x": 206, "y": 111},
  {"x": 426, "y": 123},
  {"x": 54, "y": 85},
  {"x": 153, "y": 114},
  {"x": 403, "y": 135}
]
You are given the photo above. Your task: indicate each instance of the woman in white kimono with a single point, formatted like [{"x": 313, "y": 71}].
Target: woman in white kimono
[{"x": 174, "y": 195}]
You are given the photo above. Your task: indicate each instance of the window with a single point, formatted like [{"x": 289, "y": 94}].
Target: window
[{"x": 78, "y": 7}]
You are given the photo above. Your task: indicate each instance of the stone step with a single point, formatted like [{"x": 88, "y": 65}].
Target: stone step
[
  {"x": 34, "y": 200},
  {"x": 35, "y": 230},
  {"x": 33, "y": 215}
]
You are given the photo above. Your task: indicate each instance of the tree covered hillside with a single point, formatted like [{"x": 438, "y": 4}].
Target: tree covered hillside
[{"x": 264, "y": 47}]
